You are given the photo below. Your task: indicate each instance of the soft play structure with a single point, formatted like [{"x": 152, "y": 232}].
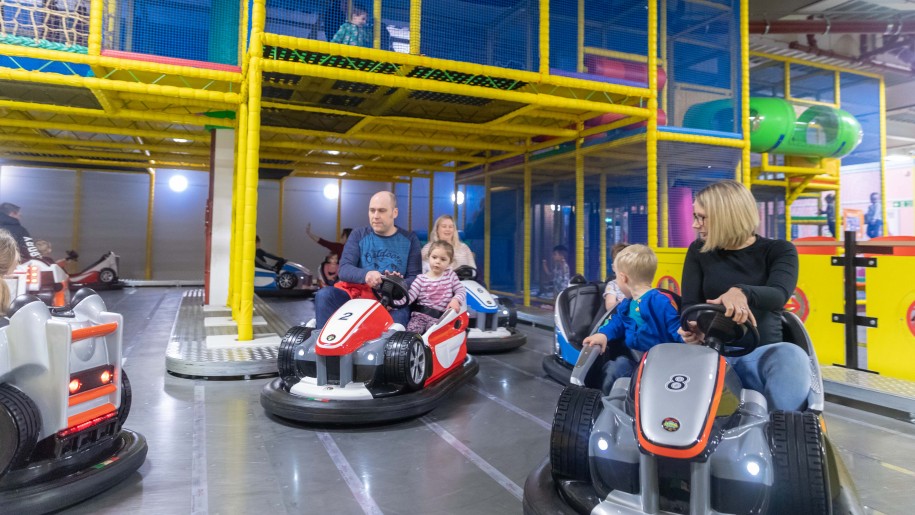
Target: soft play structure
[{"x": 777, "y": 128}]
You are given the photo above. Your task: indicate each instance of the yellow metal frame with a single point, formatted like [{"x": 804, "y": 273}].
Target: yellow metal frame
[{"x": 155, "y": 103}]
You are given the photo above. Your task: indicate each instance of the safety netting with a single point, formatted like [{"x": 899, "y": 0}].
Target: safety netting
[
  {"x": 163, "y": 30},
  {"x": 52, "y": 24}
]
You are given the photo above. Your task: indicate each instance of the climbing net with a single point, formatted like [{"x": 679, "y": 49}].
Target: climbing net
[{"x": 54, "y": 21}]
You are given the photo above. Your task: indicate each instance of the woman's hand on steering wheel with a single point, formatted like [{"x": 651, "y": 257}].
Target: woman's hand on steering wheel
[{"x": 737, "y": 306}]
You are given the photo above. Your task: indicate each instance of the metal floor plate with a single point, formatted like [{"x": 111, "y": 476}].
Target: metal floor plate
[
  {"x": 187, "y": 353},
  {"x": 871, "y": 388}
]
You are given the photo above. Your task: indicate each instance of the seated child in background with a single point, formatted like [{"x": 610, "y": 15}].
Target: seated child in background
[
  {"x": 436, "y": 290},
  {"x": 354, "y": 32},
  {"x": 645, "y": 318},
  {"x": 329, "y": 269},
  {"x": 44, "y": 248},
  {"x": 9, "y": 258},
  {"x": 261, "y": 256},
  {"x": 613, "y": 295},
  {"x": 559, "y": 272}
]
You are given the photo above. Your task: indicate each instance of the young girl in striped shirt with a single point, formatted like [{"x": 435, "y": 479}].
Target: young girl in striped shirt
[{"x": 436, "y": 290}]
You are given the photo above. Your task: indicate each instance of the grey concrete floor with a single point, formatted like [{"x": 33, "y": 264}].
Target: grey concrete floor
[{"x": 212, "y": 448}]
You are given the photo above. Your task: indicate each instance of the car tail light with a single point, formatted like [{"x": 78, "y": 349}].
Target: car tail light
[
  {"x": 31, "y": 275},
  {"x": 75, "y": 385},
  {"x": 87, "y": 424},
  {"x": 88, "y": 380}
]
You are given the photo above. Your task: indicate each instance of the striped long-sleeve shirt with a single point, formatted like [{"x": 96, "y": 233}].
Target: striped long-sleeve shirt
[{"x": 437, "y": 293}]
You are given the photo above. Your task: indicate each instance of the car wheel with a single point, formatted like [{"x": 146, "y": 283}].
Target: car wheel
[
  {"x": 126, "y": 399},
  {"x": 573, "y": 421},
  {"x": 20, "y": 423},
  {"x": 107, "y": 276},
  {"x": 285, "y": 357},
  {"x": 287, "y": 281},
  {"x": 407, "y": 361},
  {"x": 511, "y": 319},
  {"x": 799, "y": 459}
]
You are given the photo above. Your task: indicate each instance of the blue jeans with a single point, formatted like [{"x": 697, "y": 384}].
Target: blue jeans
[
  {"x": 329, "y": 299},
  {"x": 780, "y": 371},
  {"x": 614, "y": 369}
]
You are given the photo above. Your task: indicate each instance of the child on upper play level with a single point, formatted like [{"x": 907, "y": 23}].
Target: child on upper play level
[
  {"x": 436, "y": 290},
  {"x": 645, "y": 318},
  {"x": 354, "y": 32}
]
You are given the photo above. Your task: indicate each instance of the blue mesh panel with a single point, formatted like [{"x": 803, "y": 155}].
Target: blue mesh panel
[
  {"x": 811, "y": 83},
  {"x": 860, "y": 97},
  {"x": 205, "y": 30}
]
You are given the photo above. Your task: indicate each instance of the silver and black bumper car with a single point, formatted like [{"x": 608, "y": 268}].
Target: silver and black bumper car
[{"x": 683, "y": 436}]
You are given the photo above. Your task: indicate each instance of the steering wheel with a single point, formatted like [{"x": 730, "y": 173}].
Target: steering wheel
[
  {"x": 392, "y": 288},
  {"x": 721, "y": 333},
  {"x": 466, "y": 273}
]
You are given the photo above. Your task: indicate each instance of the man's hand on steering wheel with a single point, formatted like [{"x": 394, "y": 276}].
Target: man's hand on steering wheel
[
  {"x": 737, "y": 306},
  {"x": 373, "y": 278}
]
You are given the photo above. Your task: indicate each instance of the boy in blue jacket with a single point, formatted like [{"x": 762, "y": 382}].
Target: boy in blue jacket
[{"x": 645, "y": 318}]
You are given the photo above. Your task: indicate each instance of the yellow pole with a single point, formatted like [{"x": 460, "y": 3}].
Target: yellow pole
[
  {"x": 579, "y": 204},
  {"x": 745, "y": 91},
  {"x": 651, "y": 140},
  {"x": 235, "y": 268},
  {"x": 431, "y": 204},
  {"x": 544, "y": 37},
  {"x": 455, "y": 190},
  {"x": 663, "y": 105},
  {"x": 77, "y": 209},
  {"x": 603, "y": 226},
  {"x": 416, "y": 15},
  {"x": 526, "y": 277},
  {"x": 149, "y": 222},
  {"x": 487, "y": 221},
  {"x": 837, "y": 87},
  {"x": 376, "y": 31},
  {"x": 252, "y": 159},
  {"x": 339, "y": 209},
  {"x": 580, "y": 53},
  {"x": 280, "y": 209},
  {"x": 883, "y": 151},
  {"x": 96, "y": 12},
  {"x": 665, "y": 209},
  {"x": 243, "y": 35}
]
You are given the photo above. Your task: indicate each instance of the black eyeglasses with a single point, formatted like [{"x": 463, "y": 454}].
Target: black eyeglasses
[{"x": 699, "y": 219}]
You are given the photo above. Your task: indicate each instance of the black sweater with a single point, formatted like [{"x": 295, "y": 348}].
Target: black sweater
[
  {"x": 27, "y": 248},
  {"x": 766, "y": 271}
]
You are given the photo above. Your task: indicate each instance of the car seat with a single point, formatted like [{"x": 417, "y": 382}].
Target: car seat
[{"x": 580, "y": 306}]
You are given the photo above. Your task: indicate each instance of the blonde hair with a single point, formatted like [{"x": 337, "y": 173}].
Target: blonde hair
[
  {"x": 9, "y": 258},
  {"x": 731, "y": 215},
  {"x": 455, "y": 240},
  {"x": 638, "y": 262}
]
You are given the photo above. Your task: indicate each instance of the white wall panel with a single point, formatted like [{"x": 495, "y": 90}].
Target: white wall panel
[
  {"x": 114, "y": 207},
  {"x": 46, "y": 199},
  {"x": 178, "y": 227},
  {"x": 305, "y": 202},
  {"x": 268, "y": 216}
]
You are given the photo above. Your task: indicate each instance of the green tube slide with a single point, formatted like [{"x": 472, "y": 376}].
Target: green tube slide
[{"x": 777, "y": 128}]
